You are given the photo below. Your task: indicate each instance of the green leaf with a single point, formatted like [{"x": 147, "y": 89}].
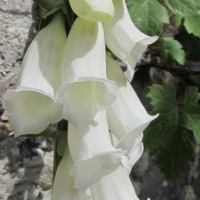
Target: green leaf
[
  {"x": 48, "y": 4},
  {"x": 180, "y": 152},
  {"x": 163, "y": 100},
  {"x": 194, "y": 80},
  {"x": 61, "y": 141},
  {"x": 183, "y": 7},
  {"x": 190, "y": 112},
  {"x": 148, "y": 15},
  {"x": 170, "y": 51},
  {"x": 191, "y": 44},
  {"x": 167, "y": 136},
  {"x": 177, "y": 20},
  {"x": 191, "y": 24},
  {"x": 47, "y": 12}
]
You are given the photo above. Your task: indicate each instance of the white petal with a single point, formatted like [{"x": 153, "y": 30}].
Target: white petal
[
  {"x": 63, "y": 182},
  {"x": 129, "y": 160},
  {"x": 41, "y": 65},
  {"x": 93, "y": 10},
  {"x": 31, "y": 111},
  {"x": 127, "y": 117},
  {"x": 84, "y": 54},
  {"x": 114, "y": 186},
  {"x": 84, "y": 98},
  {"x": 124, "y": 39},
  {"x": 92, "y": 152},
  {"x": 85, "y": 88},
  {"x": 33, "y": 105}
]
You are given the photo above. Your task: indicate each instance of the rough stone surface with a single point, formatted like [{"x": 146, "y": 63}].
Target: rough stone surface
[
  {"x": 25, "y": 169},
  {"x": 16, "y": 21}
]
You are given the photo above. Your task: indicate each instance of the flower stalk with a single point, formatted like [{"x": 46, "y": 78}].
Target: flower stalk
[{"x": 70, "y": 79}]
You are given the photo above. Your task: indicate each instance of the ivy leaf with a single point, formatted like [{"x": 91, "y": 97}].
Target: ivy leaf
[
  {"x": 171, "y": 51},
  {"x": 183, "y": 7},
  {"x": 148, "y": 15},
  {"x": 191, "y": 24},
  {"x": 167, "y": 136},
  {"x": 190, "y": 112}
]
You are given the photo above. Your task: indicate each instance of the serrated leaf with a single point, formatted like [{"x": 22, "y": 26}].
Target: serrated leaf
[
  {"x": 190, "y": 112},
  {"x": 191, "y": 24},
  {"x": 190, "y": 43},
  {"x": 183, "y": 7},
  {"x": 170, "y": 51},
  {"x": 148, "y": 15},
  {"x": 166, "y": 106},
  {"x": 180, "y": 145},
  {"x": 167, "y": 136}
]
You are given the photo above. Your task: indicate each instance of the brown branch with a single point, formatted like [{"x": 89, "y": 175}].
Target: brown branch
[{"x": 191, "y": 68}]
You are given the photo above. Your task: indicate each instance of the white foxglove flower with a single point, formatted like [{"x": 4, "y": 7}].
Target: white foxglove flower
[
  {"x": 127, "y": 117},
  {"x": 114, "y": 186},
  {"x": 93, "y": 10},
  {"x": 85, "y": 88},
  {"x": 63, "y": 183},
  {"x": 124, "y": 39},
  {"x": 92, "y": 152},
  {"x": 32, "y": 104},
  {"x": 129, "y": 160}
]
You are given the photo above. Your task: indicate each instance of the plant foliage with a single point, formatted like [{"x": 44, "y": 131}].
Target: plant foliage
[
  {"x": 171, "y": 51},
  {"x": 172, "y": 137},
  {"x": 148, "y": 15},
  {"x": 167, "y": 136}
]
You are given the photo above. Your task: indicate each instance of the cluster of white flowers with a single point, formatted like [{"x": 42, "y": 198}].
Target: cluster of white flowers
[{"x": 73, "y": 78}]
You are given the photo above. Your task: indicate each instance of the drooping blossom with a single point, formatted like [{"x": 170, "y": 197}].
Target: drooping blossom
[
  {"x": 127, "y": 117},
  {"x": 92, "y": 151},
  {"x": 85, "y": 89},
  {"x": 93, "y": 10},
  {"x": 124, "y": 39},
  {"x": 33, "y": 104}
]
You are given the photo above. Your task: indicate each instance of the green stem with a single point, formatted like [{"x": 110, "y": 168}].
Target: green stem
[{"x": 60, "y": 143}]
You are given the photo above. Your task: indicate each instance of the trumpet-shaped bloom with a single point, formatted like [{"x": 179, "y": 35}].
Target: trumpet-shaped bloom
[
  {"x": 32, "y": 104},
  {"x": 92, "y": 152},
  {"x": 63, "y": 183},
  {"x": 85, "y": 89},
  {"x": 128, "y": 161},
  {"x": 116, "y": 185},
  {"x": 127, "y": 118},
  {"x": 124, "y": 39},
  {"x": 93, "y": 10}
]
